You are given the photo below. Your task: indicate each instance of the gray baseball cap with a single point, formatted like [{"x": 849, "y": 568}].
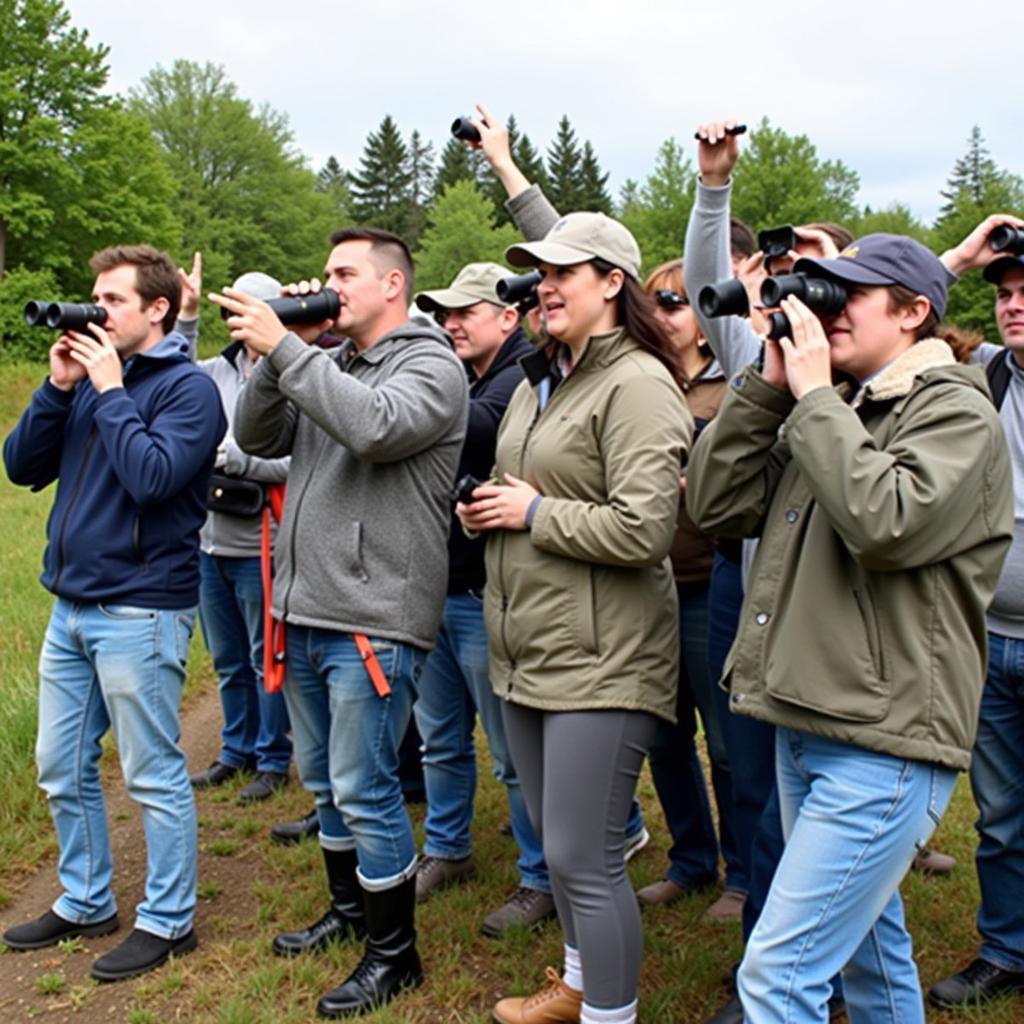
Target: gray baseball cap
[
  {"x": 258, "y": 285},
  {"x": 577, "y": 238},
  {"x": 474, "y": 283},
  {"x": 887, "y": 259}
]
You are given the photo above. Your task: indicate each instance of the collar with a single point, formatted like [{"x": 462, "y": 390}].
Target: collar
[{"x": 897, "y": 379}]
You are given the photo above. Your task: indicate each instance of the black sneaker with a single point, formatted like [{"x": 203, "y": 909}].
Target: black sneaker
[
  {"x": 289, "y": 832},
  {"x": 264, "y": 786},
  {"x": 216, "y": 775},
  {"x": 977, "y": 983},
  {"x": 51, "y": 928},
  {"x": 139, "y": 953}
]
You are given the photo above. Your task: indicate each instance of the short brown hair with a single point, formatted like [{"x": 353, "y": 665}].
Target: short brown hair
[
  {"x": 836, "y": 232},
  {"x": 156, "y": 276},
  {"x": 742, "y": 244},
  {"x": 387, "y": 252}
]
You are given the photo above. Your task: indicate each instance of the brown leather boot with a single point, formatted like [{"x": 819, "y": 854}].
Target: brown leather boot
[{"x": 555, "y": 1004}]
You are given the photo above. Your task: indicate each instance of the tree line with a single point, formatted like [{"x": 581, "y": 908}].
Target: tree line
[{"x": 184, "y": 162}]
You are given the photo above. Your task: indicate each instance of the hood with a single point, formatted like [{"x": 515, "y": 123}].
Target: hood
[
  {"x": 411, "y": 330},
  {"x": 897, "y": 379},
  {"x": 172, "y": 348}
]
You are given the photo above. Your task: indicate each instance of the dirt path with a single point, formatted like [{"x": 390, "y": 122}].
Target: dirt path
[{"x": 78, "y": 1001}]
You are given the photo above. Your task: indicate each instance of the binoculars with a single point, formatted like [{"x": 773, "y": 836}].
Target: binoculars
[
  {"x": 1008, "y": 240},
  {"x": 520, "y": 291},
  {"x": 776, "y": 242},
  {"x": 313, "y": 308},
  {"x": 63, "y": 316},
  {"x": 463, "y": 490},
  {"x": 463, "y": 128}
]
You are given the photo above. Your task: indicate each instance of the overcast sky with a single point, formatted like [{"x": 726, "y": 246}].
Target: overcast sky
[{"x": 891, "y": 88}]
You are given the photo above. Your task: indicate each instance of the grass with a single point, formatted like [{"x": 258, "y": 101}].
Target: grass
[{"x": 234, "y": 979}]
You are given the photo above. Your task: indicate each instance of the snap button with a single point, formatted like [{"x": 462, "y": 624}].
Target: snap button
[
  {"x": 761, "y": 618},
  {"x": 792, "y": 515}
]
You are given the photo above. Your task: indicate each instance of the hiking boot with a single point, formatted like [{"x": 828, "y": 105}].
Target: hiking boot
[
  {"x": 51, "y": 928},
  {"x": 289, "y": 832},
  {"x": 344, "y": 918},
  {"x": 977, "y": 983},
  {"x": 390, "y": 964},
  {"x": 932, "y": 862},
  {"x": 728, "y": 906},
  {"x": 216, "y": 775},
  {"x": 434, "y": 873},
  {"x": 634, "y": 844},
  {"x": 659, "y": 893},
  {"x": 525, "y": 907},
  {"x": 264, "y": 786},
  {"x": 555, "y": 1004},
  {"x": 141, "y": 952}
]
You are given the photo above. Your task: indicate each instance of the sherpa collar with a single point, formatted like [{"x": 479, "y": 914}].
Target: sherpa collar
[{"x": 898, "y": 377}]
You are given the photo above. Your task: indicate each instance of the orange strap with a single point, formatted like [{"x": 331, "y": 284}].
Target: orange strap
[
  {"x": 273, "y": 629},
  {"x": 369, "y": 656}
]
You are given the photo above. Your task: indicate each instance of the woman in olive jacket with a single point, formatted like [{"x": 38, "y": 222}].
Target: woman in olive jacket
[{"x": 580, "y": 599}]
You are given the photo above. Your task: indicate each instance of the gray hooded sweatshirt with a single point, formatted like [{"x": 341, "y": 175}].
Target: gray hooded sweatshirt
[{"x": 375, "y": 438}]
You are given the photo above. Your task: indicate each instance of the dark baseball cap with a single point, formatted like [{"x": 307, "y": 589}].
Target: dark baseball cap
[
  {"x": 994, "y": 272},
  {"x": 887, "y": 259}
]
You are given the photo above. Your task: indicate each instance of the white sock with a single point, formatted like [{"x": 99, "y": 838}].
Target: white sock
[
  {"x": 622, "y": 1015},
  {"x": 573, "y": 976}
]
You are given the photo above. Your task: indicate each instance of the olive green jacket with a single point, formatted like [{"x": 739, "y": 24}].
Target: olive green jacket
[
  {"x": 581, "y": 608},
  {"x": 883, "y": 525}
]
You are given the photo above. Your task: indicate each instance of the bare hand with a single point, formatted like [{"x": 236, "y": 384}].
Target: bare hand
[
  {"x": 191, "y": 287},
  {"x": 307, "y": 332},
  {"x": 498, "y": 506},
  {"x": 65, "y": 371},
  {"x": 821, "y": 241},
  {"x": 97, "y": 355},
  {"x": 717, "y": 152},
  {"x": 494, "y": 143},
  {"x": 252, "y": 320},
  {"x": 807, "y": 354},
  {"x": 974, "y": 251}
]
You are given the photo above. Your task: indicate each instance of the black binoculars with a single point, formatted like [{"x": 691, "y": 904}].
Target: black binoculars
[
  {"x": 313, "y": 308},
  {"x": 463, "y": 128},
  {"x": 463, "y": 490},
  {"x": 727, "y": 298},
  {"x": 63, "y": 316},
  {"x": 776, "y": 242},
  {"x": 821, "y": 296},
  {"x": 520, "y": 291},
  {"x": 1007, "y": 239}
]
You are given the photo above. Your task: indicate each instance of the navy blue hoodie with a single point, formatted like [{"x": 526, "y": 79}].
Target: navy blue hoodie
[{"x": 132, "y": 467}]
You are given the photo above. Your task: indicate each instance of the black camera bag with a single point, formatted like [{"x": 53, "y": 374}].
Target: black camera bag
[{"x": 235, "y": 496}]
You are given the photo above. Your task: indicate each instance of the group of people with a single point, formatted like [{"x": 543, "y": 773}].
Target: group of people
[{"x": 797, "y": 534}]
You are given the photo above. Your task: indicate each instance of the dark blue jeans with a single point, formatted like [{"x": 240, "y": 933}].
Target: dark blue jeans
[
  {"x": 675, "y": 767},
  {"x": 997, "y": 779}
]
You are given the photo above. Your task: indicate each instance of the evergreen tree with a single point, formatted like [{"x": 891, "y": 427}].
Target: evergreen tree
[
  {"x": 382, "y": 189},
  {"x": 333, "y": 182},
  {"x": 593, "y": 184},
  {"x": 563, "y": 168},
  {"x": 460, "y": 230},
  {"x": 973, "y": 175},
  {"x": 530, "y": 162},
  {"x": 421, "y": 170},
  {"x": 458, "y": 163}
]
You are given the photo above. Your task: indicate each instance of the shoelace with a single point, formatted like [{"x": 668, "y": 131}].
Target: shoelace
[{"x": 554, "y": 989}]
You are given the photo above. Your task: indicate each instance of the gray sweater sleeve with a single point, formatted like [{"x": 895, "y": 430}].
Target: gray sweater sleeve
[
  {"x": 732, "y": 339},
  {"x": 265, "y": 419},
  {"x": 408, "y": 413},
  {"x": 533, "y": 214}
]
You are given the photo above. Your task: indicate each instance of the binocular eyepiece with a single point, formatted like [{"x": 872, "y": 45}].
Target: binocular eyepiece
[
  {"x": 821, "y": 296},
  {"x": 727, "y": 298},
  {"x": 463, "y": 128},
  {"x": 520, "y": 290},
  {"x": 313, "y": 308},
  {"x": 463, "y": 490},
  {"x": 63, "y": 316},
  {"x": 1007, "y": 239}
]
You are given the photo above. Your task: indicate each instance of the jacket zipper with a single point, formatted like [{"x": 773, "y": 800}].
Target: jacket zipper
[
  {"x": 295, "y": 530},
  {"x": 90, "y": 442}
]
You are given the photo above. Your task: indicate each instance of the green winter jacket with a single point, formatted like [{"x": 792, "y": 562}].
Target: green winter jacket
[
  {"x": 581, "y": 608},
  {"x": 883, "y": 528}
]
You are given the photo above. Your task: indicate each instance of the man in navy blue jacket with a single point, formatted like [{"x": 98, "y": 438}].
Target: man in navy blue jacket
[{"x": 128, "y": 427}]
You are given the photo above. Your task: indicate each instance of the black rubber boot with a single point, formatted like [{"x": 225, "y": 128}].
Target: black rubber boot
[
  {"x": 345, "y": 918},
  {"x": 390, "y": 963}
]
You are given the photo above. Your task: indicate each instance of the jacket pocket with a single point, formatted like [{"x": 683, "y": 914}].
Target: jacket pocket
[
  {"x": 582, "y": 606},
  {"x": 872, "y": 630}
]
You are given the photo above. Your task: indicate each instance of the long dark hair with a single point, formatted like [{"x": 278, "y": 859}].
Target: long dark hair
[{"x": 634, "y": 313}]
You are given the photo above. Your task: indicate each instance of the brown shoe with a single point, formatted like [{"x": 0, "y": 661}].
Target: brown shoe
[
  {"x": 658, "y": 893},
  {"x": 931, "y": 862},
  {"x": 433, "y": 873},
  {"x": 556, "y": 1004},
  {"x": 728, "y": 906}
]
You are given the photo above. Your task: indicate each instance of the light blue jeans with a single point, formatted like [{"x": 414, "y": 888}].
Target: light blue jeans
[
  {"x": 853, "y": 821},
  {"x": 346, "y": 746},
  {"x": 121, "y": 667},
  {"x": 454, "y": 688},
  {"x": 255, "y": 732}
]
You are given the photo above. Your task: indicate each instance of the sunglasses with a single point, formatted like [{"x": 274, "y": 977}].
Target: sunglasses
[{"x": 669, "y": 299}]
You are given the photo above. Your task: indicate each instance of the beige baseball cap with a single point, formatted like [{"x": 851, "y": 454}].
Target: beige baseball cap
[
  {"x": 579, "y": 237},
  {"x": 474, "y": 283}
]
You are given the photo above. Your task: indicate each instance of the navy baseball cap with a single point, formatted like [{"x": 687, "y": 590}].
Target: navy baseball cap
[
  {"x": 993, "y": 273},
  {"x": 884, "y": 260}
]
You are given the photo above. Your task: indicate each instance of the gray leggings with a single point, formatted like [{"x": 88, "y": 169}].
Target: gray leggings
[{"x": 578, "y": 771}]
